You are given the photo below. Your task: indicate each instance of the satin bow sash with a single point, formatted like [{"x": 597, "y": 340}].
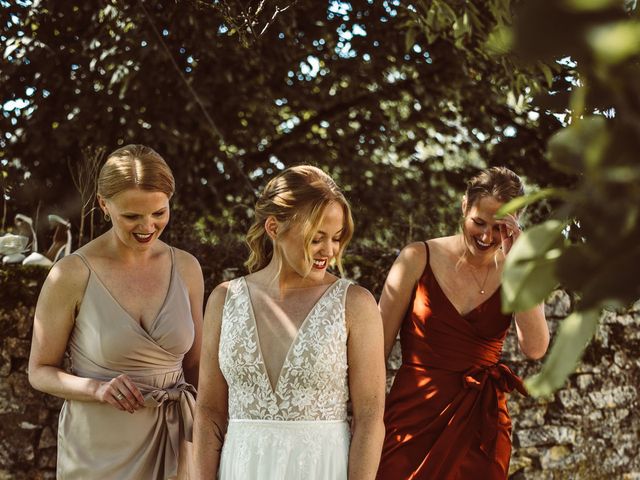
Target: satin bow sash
[
  {"x": 488, "y": 381},
  {"x": 178, "y": 404}
]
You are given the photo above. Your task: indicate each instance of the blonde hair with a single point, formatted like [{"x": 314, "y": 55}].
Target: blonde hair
[
  {"x": 135, "y": 166},
  {"x": 298, "y": 196}
]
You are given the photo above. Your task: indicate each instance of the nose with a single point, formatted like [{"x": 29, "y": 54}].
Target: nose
[
  {"x": 487, "y": 234},
  {"x": 147, "y": 223},
  {"x": 329, "y": 248}
]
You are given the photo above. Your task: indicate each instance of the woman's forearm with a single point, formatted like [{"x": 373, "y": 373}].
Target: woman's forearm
[
  {"x": 208, "y": 436},
  {"x": 366, "y": 447},
  {"x": 55, "y": 381},
  {"x": 533, "y": 332}
]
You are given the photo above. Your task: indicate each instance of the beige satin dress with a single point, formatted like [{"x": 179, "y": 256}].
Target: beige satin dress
[{"x": 97, "y": 441}]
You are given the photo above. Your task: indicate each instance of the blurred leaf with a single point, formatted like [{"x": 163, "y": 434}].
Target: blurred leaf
[
  {"x": 529, "y": 270},
  {"x": 574, "y": 333},
  {"x": 578, "y": 145},
  {"x": 623, "y": 174},
  {"x": 519, "y": 203},
  {"x": 500, "y": 40},
  {"x": 410, "y": 39},
  {"x": 591, "y": 5},
  {"x": 615, "y": 43},
  {"x": 574, "y": 266},
  {"x": 548, "y": 74},
  {"x": 614, "y": 282}
]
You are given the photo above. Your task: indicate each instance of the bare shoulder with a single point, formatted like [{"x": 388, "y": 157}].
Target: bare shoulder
[
  {"x": 359, "y": 297},
  {"x": 187, "y": 263},
  {"x": 218, "y": 295},
  {"x": 65, "y": 284},
  {"x": 442, "y": 245},
  {"x": 411, "y": 261},
  {"x": 414, "y": 252},
  {"x": 360, "y": 305},
  {"x": 68, "y": 274}
]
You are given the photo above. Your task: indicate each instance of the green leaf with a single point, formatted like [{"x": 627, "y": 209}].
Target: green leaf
[
  {"x": 500, "y": 40},
  {"x": 591, "y": 5},
  {"x": 519, "y": 203},
  {"x": 548, "y": 74},
  {"x": 410, "y": 39},
  {"x": 615, "y": 283},
  {"x": 529, "y": 271},
  {"x": 615, "y": 43},
  {"x": 574, "y": 148},
  {"x": 573, "y": 335}
]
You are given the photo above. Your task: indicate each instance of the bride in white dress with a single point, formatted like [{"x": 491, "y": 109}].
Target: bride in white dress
[{"x": 288, "y": 345}]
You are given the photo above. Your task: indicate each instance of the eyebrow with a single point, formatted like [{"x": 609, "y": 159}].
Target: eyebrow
[
  {"x": 136, "y": 213},
  {"x": 321, "y": 232},
  {"x": 476, "y": 218}
]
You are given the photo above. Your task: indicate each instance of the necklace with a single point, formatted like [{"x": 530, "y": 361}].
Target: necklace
[{"x": 484, "y": 282}]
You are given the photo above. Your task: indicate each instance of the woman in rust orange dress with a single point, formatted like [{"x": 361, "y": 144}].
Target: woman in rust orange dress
[{"x": 446, "y": 414}]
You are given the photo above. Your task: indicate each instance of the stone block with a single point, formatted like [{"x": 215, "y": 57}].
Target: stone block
[
  {"x": 5, "y": 364},
  {"x": 571, "y": 399},
  {"x": 557, "y": 305},
  {"x": 519, "y": 463},
  {"x": 556, "y": 456},
  {"x": 614, "y": 397},
  {"x": 584, "y": 381},
  {"x": 8, "y": 403},
  {"x": 17, "y": 348},
  {"x": 23, "y": 316},
  {"x": 528, "y": 418},
  {"x": 395, "y": 357},
  {"x": 546, "y": 436},
  {"x": 47, "y": 459},
  {"x": 47, "y": 439}
]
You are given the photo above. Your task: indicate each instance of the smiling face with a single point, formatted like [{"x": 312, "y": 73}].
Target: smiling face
[
  {"x": 138, "y": 216},
  {"x": 480, "y": 229},
  {"x": 324, "y": 246}
]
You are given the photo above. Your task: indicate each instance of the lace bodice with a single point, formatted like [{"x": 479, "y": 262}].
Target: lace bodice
[{"x": 312, "y": 384}]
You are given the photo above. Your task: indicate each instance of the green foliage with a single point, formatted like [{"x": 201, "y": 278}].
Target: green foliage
[
  {"x": 19, "y": 285},
  {"x": 574, "y": 334},
  {"x": 529, "y": 272},
  {"x": 399, "y": 101},
  {"x": 601, "y": 261}
]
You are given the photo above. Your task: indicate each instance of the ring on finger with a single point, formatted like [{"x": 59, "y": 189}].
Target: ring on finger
[{"x": 119, "y": 396}]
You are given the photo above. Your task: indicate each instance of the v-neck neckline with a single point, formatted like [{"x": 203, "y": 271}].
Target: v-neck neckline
[
  {"x": 446, "y": 297},
  {"x": 126, "y": 312},
  {"x": 274, "y": 388}
]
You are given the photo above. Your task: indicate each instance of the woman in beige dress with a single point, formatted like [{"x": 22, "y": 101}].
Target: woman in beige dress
[{"x": 128, "y": 309}]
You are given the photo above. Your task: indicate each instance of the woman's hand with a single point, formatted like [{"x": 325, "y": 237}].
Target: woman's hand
[
  {"x": 509, "y": 232},
  {"x": 122, "y": 393}
]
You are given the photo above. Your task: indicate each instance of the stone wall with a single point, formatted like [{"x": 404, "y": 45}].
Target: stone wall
[
  {"x": 28, "y": 419},
  {"x": 588, "y": 430}
]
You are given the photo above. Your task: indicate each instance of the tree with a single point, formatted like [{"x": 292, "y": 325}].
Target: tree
[{"x": 399, "y": 113}]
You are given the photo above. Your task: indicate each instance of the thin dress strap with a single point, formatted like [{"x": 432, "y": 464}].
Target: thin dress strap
[
  {"x": 426, "y": 247},
  {"x": 84, "y": 259}
]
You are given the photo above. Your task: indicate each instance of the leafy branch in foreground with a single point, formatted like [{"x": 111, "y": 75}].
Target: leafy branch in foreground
[{"x": 592, "y": 246}]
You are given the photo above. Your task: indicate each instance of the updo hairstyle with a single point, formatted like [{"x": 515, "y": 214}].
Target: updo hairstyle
[{"x": 297, "y": 197}]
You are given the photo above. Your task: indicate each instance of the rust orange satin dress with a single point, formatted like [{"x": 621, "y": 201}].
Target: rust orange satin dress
[{"x": 446, "y": 415}]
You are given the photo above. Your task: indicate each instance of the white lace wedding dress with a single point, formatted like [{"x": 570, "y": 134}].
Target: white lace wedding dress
[{"x": 297, "y": 430}]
